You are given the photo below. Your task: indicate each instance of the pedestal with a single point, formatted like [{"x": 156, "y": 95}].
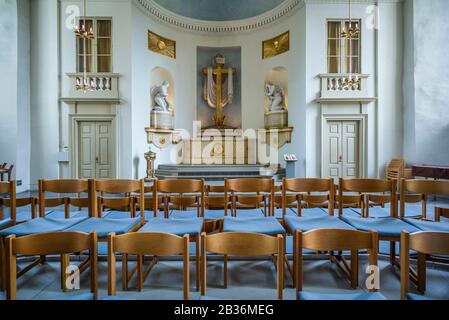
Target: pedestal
[
  {"x": 276, "y": 119},
  {"x": 162, "y": 120}
]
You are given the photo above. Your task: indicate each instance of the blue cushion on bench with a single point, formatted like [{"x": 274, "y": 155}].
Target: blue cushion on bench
[
  {"x": 5, "y": 222},
  {"x": 385, "y": 227},
  {"x": 412, "y": 296},
  {"x": 341, "y": 296},
  {"x": 428, "y": 225},
  {"x": 104, "y": 226},
  {"x": 310, "y": 223},
  {"x": 214, "y": 214},
  {"x": 41, "y": 225},
  {"x": 249, "y": 213},
  {"x": 269, "y": 225},
  {"x": 178, "y": 227},
  {"x": 179, "y": 214}
]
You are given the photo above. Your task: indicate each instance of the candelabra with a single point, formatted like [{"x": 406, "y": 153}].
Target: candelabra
[{"x": 150, "y": 157}]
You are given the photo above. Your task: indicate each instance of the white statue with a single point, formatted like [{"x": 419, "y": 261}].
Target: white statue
[
  {"x": 276, "y": 95},
  {"x": 159, "y": 96}
]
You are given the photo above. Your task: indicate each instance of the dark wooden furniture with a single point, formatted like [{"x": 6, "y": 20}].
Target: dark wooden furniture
[{"x": 431, "y": 172}]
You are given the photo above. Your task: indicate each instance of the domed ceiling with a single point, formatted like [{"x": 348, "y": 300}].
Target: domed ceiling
[{"x": 219, "y": 10}]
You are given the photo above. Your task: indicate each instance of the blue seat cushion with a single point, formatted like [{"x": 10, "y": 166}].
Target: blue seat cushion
[
  {"x": 80, "y": 297},
  {"x": 345, "y": 296},
  {"x": 179, "y": 214},
  {"x": 206, "y": 298},
  {"x": 178, "y": 227},
  {"x": 60, "y": 214},
  {"x": 41, "y": 225},
  {"x": 442, "y": 226},
  {"x": 113, "y": 298},
  {"x": 5, "y": 222},
  {"x": 214, "y": 214},
  {"x": 116, "y": 214},
  {"x": 412, "y": 296},
  {"x": 320, "y": 222},
  {"x": 379, "y": 212},
  {"x": 304, "y": 212},
  {"x": 385, "y": 227},
  {"x": 104, "y": 226},
  {"x": 351, "y": 212},
  {"x": 249, "y": 213},
  {"x": 269, "y": 225}
]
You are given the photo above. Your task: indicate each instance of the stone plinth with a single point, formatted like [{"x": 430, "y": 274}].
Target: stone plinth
[
  {"x": 276, "y": 119},
  {"x": 162, "y": 120}
]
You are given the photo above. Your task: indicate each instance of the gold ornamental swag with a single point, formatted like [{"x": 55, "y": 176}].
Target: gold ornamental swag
[{"x": 86, "y": 35}]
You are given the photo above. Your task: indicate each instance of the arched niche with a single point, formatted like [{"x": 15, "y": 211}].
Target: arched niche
[
  {"x": 159, "y": 75},
  {"x": 277, "y": 116}
]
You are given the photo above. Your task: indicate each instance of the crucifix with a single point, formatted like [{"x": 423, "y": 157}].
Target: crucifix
[{"x": 219, "y": 92}]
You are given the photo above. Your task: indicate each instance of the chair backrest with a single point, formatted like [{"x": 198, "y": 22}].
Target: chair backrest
[
  {"x": 179, "y": 193},
  {"x": 62, "y": 243},
  {"x": 304, "y": 189},
  {"x": 9, "y": 189},
  {"x": 384, "y": 188},
  {"x": 425, "y": 243},
  {"x": 335, "y": 240},
  {"x": 247, "y": 186},
  {"x": 63, "y": 186},
  {"x": 146, "y": 243},
  {"x": 21, "y": 202},
  {"x": 243, "y": 244},
  {"x": 118, "y": 187},
  {"x": 423, "y": 187}
]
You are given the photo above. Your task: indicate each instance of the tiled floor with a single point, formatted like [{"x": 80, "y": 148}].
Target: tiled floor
[{"x": 253, "y": 280}]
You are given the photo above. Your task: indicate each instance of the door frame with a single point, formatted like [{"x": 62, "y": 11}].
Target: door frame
[
  {"x": 74, "y": 121},
  {"x": 363, "y": 135}
]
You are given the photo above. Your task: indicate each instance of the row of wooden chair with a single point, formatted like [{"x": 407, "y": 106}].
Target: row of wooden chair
[
  {"x": 233, "y": 189},
  {"x": 242, "y": 244}
]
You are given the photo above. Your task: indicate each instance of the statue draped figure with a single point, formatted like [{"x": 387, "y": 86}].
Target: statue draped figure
[
  {"x": 276, "y": 95},
  {"x": 160, "y": 101}
]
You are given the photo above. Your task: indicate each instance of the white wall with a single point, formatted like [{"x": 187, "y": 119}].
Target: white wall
[{"x": 426, "y": 89}]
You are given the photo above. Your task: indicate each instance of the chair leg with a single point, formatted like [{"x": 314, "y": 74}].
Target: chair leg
[
  {"x": 225, "y": 271},
  {"x": 124, "y": 272},
  {"x": 354, "y": 269},
  {"x": 65, "y": 261},
  {"x": 294, "y": 260},
  {"x": 392, "y": 253},
  {"x": 140, "y": 272},
  {"x": 422, "y": 273},
  {"x": 197, "y": 262},
  {"x": 2, "y": 265}
]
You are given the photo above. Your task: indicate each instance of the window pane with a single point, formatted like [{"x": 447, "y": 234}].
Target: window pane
[
  {"x": 333, "y": 64},
  {"x": 81, "y": 63},
  {"x": 355, "y": 65},
  {"x": 104, "y": 64},
  {"x": 104, "y": 28},
  {"x": 333, "y": 30},
  {"x": 354, "y": 50},
  {"x": 333, "y": 48},
  {"x": 104, "y": 46},
  {"x": 81, "y": 46}
]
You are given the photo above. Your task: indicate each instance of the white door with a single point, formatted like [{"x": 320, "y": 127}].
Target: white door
[
  {"x": 341, "y": 149},
  {"x": 95, "y": 153}
]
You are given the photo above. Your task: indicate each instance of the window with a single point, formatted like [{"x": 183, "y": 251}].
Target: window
[
  {"x": 338, "y": 55},
  {"x": 98, "y": 50}
]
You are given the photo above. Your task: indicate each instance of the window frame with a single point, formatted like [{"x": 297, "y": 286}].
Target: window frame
[
  {"x": 342, "y": 54},
  {"x": 94, "y": 44}
]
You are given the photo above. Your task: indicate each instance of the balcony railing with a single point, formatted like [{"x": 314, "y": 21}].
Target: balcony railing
[
  {"x": 332, "y": 86},
  {"x": 106, "y": 85}
]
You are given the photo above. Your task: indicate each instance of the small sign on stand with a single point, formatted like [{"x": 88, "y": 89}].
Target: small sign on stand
[{"x": 290, "y": 160}]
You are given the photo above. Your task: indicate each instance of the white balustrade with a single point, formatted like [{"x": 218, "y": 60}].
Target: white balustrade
[
  {"x": 105, "y": 86},
  {"x": 336, "y": 86}
]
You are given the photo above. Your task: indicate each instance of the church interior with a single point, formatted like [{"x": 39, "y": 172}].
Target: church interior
[{"x": 224, "y": 150}]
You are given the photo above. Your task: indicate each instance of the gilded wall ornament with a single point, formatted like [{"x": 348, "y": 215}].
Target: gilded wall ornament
[
  {"x": 276, "y": 45},
  {"x": 161, "y": 45}
]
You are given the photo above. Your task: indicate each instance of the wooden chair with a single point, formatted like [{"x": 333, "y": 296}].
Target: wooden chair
[
  {"x": 242, "y": 244},
  {"x": 141, "y": 244},
  {"x": 9, "y": 189},
  {"x": 250, "y": 193},
  {"x": 22, "y": 216},
  {"x": 425, "y": 188},
  {"x": 175, "y": 225},
  {"x": 336, "y": 240},
  {"x": 388, "y": 229},
  {"x": 425, "y": 243},
  {"x": 214, "y": 204},
  {"x": 7, "y": 171},
  {"x": 61, "y": 243}
]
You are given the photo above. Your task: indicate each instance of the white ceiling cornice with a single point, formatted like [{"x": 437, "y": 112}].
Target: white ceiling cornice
[
  {"x": 165, "y": 16},
  {"x": 284, "y": 10}
]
